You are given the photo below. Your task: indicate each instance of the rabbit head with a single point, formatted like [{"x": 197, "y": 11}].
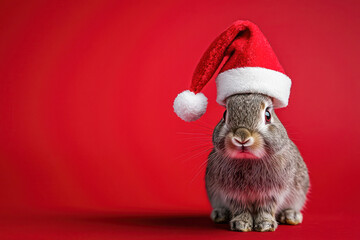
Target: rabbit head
[{"x": 249, "y": 128}]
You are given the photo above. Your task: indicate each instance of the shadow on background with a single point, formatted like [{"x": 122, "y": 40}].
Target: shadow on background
[{"x": 195, "y": 222}]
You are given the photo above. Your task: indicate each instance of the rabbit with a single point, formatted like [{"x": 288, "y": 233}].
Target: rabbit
[{"x": 255, "y": 175}]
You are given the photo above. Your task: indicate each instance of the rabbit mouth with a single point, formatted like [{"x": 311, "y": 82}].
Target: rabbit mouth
[
  {"x": 237, "y": 148},
  {"x": 241, "y": 153}
]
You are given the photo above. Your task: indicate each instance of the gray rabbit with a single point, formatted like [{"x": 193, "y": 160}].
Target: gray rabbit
[{"x": 255, "y": 173}]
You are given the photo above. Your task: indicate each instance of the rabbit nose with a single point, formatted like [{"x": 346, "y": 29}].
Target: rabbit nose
[
  {"x": 242, "y": 142},
  {"x": 242, "y": 138}
]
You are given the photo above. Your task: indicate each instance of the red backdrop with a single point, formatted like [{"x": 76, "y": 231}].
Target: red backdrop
[{"x": 86, "y": 94}]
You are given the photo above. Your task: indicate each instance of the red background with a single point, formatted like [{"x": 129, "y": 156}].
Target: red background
[{"x": 87, "y": 127}]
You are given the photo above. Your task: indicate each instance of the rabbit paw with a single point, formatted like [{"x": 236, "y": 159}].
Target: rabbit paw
[
  {"x": 242, "y": 222},
  {"x": 220, "y": 215},
  {"x": 290, "y": 216},
  {"x": 265, "y": 222}
]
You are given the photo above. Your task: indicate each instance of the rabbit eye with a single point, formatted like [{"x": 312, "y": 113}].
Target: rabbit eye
[
  {"x": 267, "y": 116},
  {"x": 224, "y": 116}
]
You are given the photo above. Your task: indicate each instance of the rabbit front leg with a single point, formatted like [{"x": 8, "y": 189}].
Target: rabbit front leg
[
  {"x": 242, "y": 219},
  {"x": 265, "y": 222},
  {"x": 264, "y": 218},
  {"x": 242, "y": 222}
]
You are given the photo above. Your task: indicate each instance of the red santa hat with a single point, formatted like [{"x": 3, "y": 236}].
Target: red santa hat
[{"x": 251, "y": 66}]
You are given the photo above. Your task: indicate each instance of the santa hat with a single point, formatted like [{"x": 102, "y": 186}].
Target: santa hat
[{"x": 251, "y": 66}]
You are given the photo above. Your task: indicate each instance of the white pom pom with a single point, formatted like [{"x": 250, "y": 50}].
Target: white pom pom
[{"x": 190, "y": 106}]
